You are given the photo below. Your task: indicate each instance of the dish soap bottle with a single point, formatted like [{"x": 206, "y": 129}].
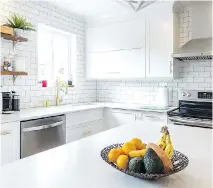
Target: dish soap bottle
[{"x": 70, "y": 80}]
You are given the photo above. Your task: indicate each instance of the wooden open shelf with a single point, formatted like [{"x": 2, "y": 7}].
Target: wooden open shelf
[
  {"x": 70, "y": 86},
  {"x": 13, "y": 73},
  {"x": 14, "y": 38}
]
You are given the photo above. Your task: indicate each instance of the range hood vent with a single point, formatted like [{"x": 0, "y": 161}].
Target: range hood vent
[{"x": 195, "y": 49}]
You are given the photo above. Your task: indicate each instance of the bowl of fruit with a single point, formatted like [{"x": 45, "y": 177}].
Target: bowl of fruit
[{"x": 146, "y": 161}]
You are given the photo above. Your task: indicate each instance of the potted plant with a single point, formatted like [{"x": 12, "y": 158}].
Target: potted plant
[{"x": 19, "y": 24}]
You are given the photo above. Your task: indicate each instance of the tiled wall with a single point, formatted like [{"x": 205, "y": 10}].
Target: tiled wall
[
  {"x": 42, "y": 12},
  {"x": 193, "y": 75}
]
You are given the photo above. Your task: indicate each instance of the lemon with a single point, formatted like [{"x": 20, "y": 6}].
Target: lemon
[
  {"x": 122, "y": 162},
  {"x": 127, "y": 147},
  {"x": 113, "y": 155},
  {"x": 138, "y": 143}
]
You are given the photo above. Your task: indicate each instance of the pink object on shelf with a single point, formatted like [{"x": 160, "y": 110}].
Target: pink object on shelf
[{"x": 44, "y": 83}]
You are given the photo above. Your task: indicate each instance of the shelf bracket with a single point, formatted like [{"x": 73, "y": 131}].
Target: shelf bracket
[
  {"x": 14, "y": 78},
  {"x": 14, "y": 43}
]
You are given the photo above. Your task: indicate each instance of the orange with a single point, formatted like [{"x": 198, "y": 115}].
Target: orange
[
  {"x": 138, "y": 143},
  {"x": 113, "y": 155},
  {"x": 127, "y": 147},
  {"x": 120, "y": 151},
  {"x": 122, "y": 162},
  {"x": 143, "y": 146}
]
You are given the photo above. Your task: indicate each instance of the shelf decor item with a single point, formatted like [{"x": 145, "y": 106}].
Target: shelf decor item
[
  {"x": 19, "y": 24},
  {"x": 19, "y": 65},
  {"x": 179, "y": 161},
  {"x": 6, "y": 30}
]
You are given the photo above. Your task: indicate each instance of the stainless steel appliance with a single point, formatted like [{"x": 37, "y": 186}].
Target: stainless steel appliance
[
  {"x": 42, "y": 134},
  {"x": 15, "y": 101},
  {"x": 7, "y": 103},
  {"x": 195, "y": 109}
]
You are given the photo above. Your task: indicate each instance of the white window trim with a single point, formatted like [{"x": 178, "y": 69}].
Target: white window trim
[{"x": 71, "y": 53}]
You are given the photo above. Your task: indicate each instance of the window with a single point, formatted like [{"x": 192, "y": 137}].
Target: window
[{"x": 56, "y": 54}]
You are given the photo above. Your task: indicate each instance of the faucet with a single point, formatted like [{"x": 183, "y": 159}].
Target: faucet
[{"x": 60, "y": 84}]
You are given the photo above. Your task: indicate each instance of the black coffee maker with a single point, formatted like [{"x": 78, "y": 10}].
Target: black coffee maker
[
  {"x": 15, "y": 101},
  {"x": 7, "y": 103}
]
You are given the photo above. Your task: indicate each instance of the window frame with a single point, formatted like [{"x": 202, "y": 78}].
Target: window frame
[{"x": 71, "y": 51}]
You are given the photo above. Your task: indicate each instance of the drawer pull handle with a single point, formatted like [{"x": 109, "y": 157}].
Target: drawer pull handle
[
  {"x": 153, "y": 117},
  {"x": 4, "y": 133}
]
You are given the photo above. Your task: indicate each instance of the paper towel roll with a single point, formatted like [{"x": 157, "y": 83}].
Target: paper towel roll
[{"x": 162, "y": 97}]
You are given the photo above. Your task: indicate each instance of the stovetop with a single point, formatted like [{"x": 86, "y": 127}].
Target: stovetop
[{"x": 195, "y": 109}]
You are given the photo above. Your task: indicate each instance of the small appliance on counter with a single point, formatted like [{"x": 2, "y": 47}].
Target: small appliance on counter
[
  {"x": 7, "y": 103},
  {"x": 162, "y": 97},
  {"x": 195, "y": 109},
  {"x": 15, "y": 101}
]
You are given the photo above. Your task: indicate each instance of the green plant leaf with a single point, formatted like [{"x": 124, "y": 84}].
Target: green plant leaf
[{"x": 19, "y": 22}]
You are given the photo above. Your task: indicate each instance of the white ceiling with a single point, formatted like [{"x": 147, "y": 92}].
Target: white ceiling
[{"x": 96, "y": 9}]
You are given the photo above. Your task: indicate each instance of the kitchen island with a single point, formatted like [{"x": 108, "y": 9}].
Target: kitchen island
[{"x": 79, "y": 165}]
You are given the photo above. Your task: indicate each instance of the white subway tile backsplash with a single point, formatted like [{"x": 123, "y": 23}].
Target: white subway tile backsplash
[
  {"x": 204, "y": 74},
  {"x": 27, "y": 87}
]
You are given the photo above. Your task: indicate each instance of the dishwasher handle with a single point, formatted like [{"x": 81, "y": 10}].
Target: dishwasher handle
[{"x": 42, "y": 127}]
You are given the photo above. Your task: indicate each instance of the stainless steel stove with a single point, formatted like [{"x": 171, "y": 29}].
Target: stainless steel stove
[{"x": 195, "y": 109}]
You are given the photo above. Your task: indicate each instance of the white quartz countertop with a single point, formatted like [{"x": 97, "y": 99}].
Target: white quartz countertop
[
  {"x": 33, "y": 113},
  {"x": 79, "y": 164}
]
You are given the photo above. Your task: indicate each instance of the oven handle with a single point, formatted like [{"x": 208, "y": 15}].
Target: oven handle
[{"x": 30, "y": 129}]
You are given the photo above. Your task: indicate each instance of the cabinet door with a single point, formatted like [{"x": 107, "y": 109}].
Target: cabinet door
[
  {"x": 115, "y": 118},
  {"x": 114, "y": 36},
  {"x": 120, "y": 64},
  {"x": 159, "y": 40},
  {"x": 9, "y": 142}
]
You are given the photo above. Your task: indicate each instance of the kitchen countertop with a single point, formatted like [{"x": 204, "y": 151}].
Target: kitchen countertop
[
  {"x": 33, "y": 113},
  {"x": 78, "y": 164}
]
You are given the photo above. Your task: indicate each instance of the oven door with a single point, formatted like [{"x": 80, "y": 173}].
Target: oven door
[{"x": 190, "y": 123}]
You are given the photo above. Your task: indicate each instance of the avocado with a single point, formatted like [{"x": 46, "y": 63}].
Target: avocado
[
  {"x": 152, "y": 162},
  {"x": 136, "y": 165}
]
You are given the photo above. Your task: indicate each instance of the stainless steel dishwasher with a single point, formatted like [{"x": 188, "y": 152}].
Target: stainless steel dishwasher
[{"x": 42, "y": 134}]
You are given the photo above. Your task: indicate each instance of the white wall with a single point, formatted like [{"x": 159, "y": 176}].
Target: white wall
[
  {"x": 193, "y": 75},
  {"x": 27, "y": 87}
]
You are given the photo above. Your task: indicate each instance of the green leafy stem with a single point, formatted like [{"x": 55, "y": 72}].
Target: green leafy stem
[{"x": 19, "y": 22}]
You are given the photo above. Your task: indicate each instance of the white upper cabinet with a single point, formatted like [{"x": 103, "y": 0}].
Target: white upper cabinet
[
  {"x": 134, "y": 49},
  {"x": 116, "y": 50},
  {"x": 118, "y": 64},
  {"x": 116, "y": 36},
  {"x": 159, "y": 29}
]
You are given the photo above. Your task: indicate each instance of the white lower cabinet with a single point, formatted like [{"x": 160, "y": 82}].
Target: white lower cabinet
[
  {"x": 83, "y": 123},
  {"x": 151, "y": 117},
  {"x": 117, "y": 117},
  {"x": 9, "y": 142},
  {"x": 83, "y": 130}
]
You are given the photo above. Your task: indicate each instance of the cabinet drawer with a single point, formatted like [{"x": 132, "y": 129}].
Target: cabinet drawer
[
  {"x": 155, "y": 117},
  {"x": 74, "y": 134},
  {"x": 78, "y": 118},
  {"x": 87, "y": 129},
  {"x": 151, "y": 117}
]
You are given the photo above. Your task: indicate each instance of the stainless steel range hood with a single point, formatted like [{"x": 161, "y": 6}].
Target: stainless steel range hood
[
  {"x": 195, "y": 49},
  {"x": 199, "y": 46}
]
